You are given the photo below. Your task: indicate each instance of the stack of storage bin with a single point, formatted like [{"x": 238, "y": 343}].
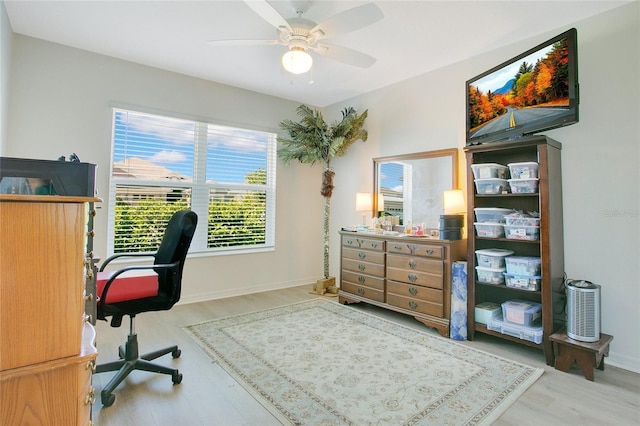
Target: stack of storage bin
[
  {"x": 524, "y": 178},
  {"x": 490, "y": 178},
  {"x": 491, "y": 265},
  {"x": 521, "y": 319},
  {"x": 523, "y": 272}
]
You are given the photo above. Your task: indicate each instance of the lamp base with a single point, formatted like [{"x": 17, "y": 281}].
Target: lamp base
[{"x": 451, "y": 227}]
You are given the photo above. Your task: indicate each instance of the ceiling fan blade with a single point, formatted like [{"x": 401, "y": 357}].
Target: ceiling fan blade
[
  {"x": 242, "y": 42},
  {"x": 268, "y": 13},
  {"x": 345, "y": 55},
  {"x": 349, "y": 20}
]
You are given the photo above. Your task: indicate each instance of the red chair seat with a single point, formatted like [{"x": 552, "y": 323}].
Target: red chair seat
[{"x": 128, "y": 286}]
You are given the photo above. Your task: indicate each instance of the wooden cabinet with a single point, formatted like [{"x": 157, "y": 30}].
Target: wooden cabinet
[
  {"x": 549, "y": 247},
  {"x": 46, "y": 346},
  {"x": 411, "y": 275}
]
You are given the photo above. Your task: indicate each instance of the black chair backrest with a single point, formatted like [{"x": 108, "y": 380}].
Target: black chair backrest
[{"x": 173, "y": 248}]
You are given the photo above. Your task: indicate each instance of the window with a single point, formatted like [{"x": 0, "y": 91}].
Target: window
[{"x": 163, "y": 164}]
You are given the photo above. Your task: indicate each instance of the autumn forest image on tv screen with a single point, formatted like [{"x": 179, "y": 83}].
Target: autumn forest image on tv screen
[{"x": 534, "y": 89}]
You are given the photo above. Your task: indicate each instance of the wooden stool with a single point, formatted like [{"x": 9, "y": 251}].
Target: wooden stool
[{"x": 588, "y": 355}]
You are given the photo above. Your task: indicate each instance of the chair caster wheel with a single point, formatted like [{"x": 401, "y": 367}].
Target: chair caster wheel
[
  {"x": 108, "y": 399},
  {"x": 176, "y": 378},
  {"x": 176, "y": 353}
]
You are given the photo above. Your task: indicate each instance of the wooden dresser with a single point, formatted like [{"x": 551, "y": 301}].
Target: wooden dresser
[
  {"x": 47, "y": 352},
  {"x": 411, "y": 275}
]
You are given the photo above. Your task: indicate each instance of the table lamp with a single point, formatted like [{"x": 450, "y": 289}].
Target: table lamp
[{"x": 451, "y": 222}]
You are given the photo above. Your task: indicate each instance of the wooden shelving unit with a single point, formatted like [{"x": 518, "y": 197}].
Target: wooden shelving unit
[{"x": 549, "y": 247}]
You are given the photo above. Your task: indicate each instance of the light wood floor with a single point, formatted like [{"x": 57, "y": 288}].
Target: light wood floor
[{"x": 208, "y": 396}]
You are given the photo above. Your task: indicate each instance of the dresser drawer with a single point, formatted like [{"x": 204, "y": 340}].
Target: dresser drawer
[
  {"x": 364, "y": 243},
  {"x": 362, "y": 279},
  {"x": 362, "y": 291},
  {"x": 366, "y": 255},
  {"x": 375, "y": 269},
  {"x": 415, "y": 291},
  {"x": 415, "y": 277},
  {"x": 424, "y": 250},
  {"x": 415, "y": 263},
  {"x": 416, "y": 305}
]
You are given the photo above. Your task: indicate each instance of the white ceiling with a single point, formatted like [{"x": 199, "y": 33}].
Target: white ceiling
[{"x": 413, "y": 38}]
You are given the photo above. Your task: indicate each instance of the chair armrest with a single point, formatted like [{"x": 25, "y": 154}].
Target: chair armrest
[
  {"x": 110, "y": 281},
  {"x": 117, "y": 256}
]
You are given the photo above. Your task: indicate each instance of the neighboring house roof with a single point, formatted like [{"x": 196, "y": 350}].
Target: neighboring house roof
[{"x": 137, "y": 168}]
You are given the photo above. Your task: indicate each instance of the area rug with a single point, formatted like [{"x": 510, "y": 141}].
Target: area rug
[{"x": 321, "y": 363}]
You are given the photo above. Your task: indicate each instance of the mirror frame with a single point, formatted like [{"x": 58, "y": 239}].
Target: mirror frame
[{"x": 451, "y": 152}]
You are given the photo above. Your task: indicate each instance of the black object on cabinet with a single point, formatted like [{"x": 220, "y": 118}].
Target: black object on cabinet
[{"x": 549, "y": 247}]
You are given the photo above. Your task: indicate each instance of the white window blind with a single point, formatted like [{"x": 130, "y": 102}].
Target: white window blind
[{"x": 163, "y": 164}]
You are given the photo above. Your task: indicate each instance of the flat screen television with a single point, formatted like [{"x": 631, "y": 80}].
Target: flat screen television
[{"x": 535, "y": 91}]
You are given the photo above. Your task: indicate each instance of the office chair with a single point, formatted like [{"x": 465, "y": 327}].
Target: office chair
[{"x": 129, "y": 299}]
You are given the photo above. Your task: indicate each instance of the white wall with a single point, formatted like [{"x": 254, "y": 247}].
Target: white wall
[
  {"x": 60, "y": 103},
  {"x": 6, "y": 38},
  {"x": 600, "y": 158}
]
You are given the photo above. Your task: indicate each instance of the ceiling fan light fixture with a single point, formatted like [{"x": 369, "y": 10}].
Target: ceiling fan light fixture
[{"x": 297, "y": 61}]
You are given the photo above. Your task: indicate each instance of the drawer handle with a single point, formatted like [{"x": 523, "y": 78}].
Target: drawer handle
[
  {"x": 361, "y": 279},
  {"x": 429, "y": 251},
  {"x": 361, "y": 267},
  {"x": 362, "y": 255},
  {"x": 91, "y": 365},
  {"x": 361, "y": 291},
  {"x": 413, "y": 291},
  {"x": 412, "y": 264},
  {"x": 413, "y": 305},
  {"x": 397, "y": 247},
  {"x": 412, "y": 277},
  {"x": 350, "y": 242},
  {"x": 91, "y": 396},
  {"x": 374, "y": 244}
]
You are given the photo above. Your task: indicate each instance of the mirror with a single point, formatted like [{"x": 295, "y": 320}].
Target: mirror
[{"x": 412, "y": 185}]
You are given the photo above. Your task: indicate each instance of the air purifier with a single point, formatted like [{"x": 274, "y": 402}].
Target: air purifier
[{"x": 583, "y": 310}]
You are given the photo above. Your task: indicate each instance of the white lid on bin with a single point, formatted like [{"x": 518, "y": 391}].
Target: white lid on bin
[
  {"x": 495, "y": 252},
  {"x": 484, "y": 268}
]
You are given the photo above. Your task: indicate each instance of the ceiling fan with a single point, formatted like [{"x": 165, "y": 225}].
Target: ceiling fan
[{"x": 301, "y": 35}]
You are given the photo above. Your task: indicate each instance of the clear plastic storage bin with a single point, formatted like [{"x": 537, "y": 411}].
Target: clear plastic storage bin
[
  {"x": 523, "y": 265},
  {"x": 523, "y": 282},
  {"x": 521, "y": 312},
  {"x": 523, "y": 186},
  {"x": 529, "y": 233},
  {"x": 532, "y": 334},
  {"x": 492, "y": 258},
  {"x": 489, "y": 230},
  {"x": 491, "y": 214},
  {"x": 490, "y": 275},
  {"x": 520, "y": 220},
  {"x": 525, "y": 170},
  {"x": 491, "y": 186},
  {"x": 490, "y": 170},
  {"x": 484, "y": 311}
]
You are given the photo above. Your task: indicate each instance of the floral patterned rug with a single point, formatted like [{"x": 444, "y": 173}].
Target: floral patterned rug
[{"x": 321, "y": 363}]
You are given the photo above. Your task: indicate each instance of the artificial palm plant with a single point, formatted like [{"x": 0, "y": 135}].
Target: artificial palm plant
[{"x": 312, "y": 140}]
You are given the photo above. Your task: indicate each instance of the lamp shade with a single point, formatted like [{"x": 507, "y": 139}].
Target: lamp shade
[
  {"x": 454, "y": 202},
  {"x": 297, "y": 61},
  {"x": 363, "y": 202}
]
